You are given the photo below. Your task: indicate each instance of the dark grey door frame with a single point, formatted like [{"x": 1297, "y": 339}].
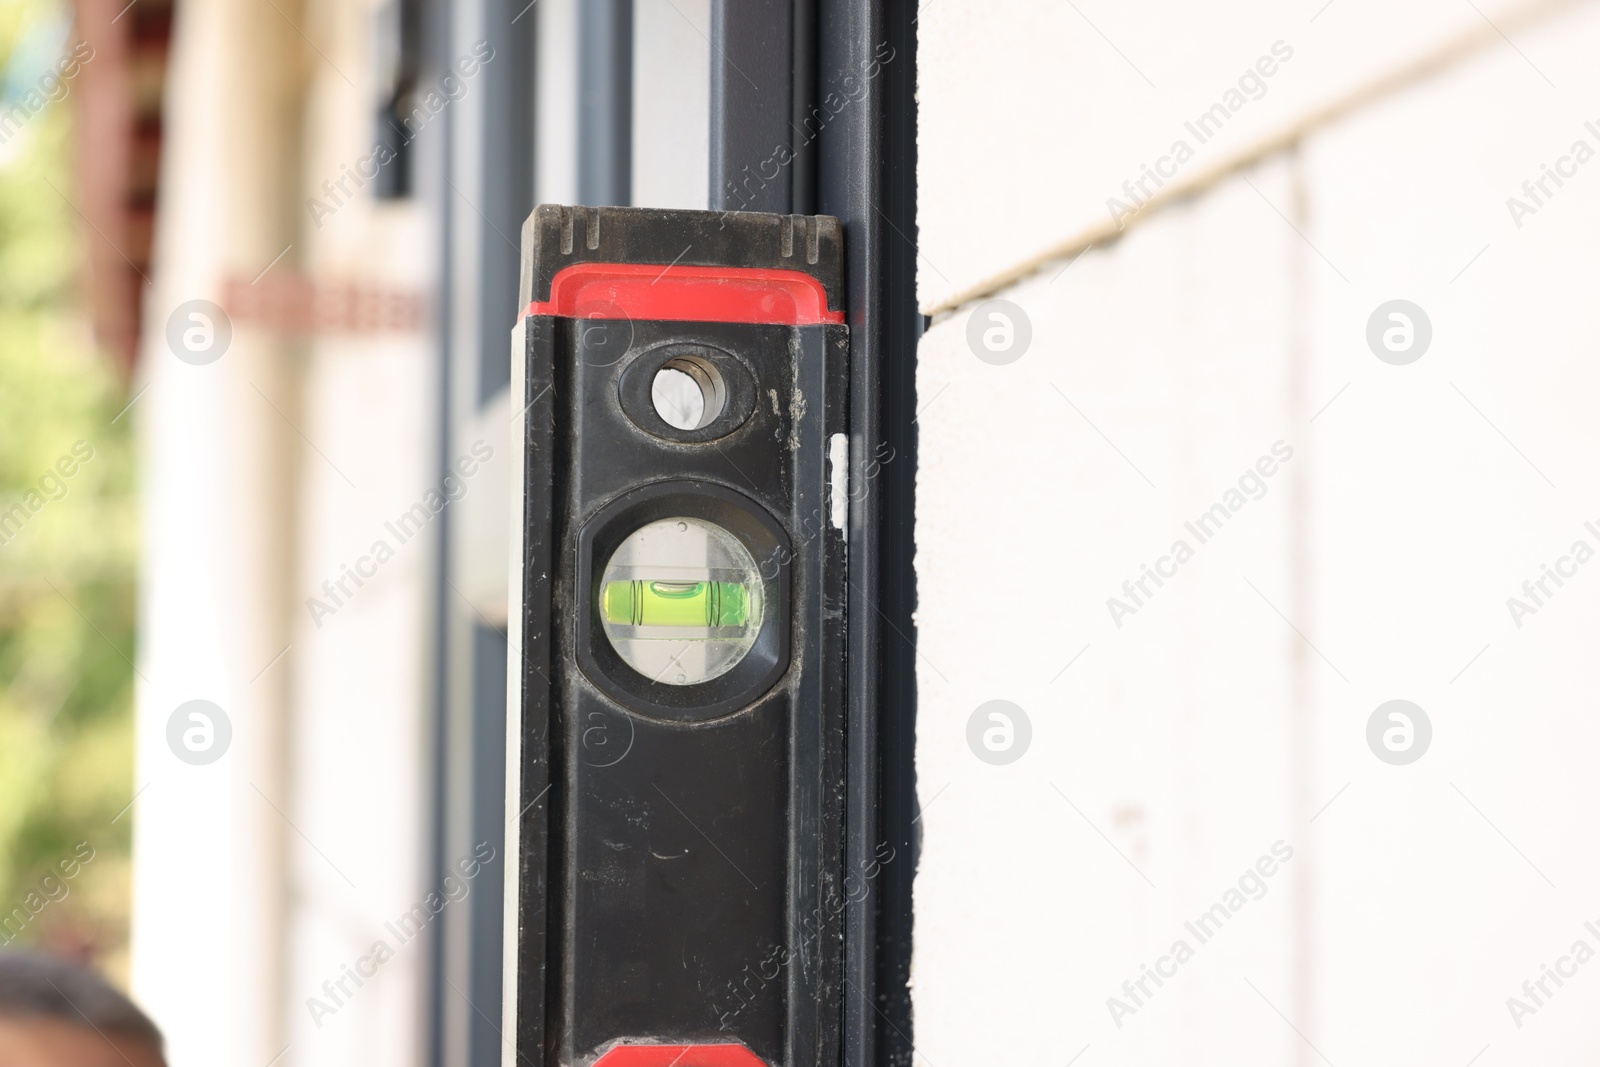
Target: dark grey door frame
[
  {"x": 479, "y": 197},
  {"x": 837, "y": 136},
  {"x": 812, "y": 111},
  {"x": 763, "y": 65},
  {"x": 605, "y": 103}
]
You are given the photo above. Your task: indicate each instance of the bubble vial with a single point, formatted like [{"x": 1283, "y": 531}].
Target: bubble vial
[{"x": 680, "y": 600}]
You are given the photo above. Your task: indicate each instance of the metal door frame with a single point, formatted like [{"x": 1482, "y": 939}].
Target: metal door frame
[{"x": 850, "y": 145}]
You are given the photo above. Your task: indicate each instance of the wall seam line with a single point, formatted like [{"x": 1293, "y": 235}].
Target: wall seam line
[{"x": 1453, "y": 53}]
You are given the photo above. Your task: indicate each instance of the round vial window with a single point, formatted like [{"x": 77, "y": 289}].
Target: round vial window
[{"x": 680, "y": 601}]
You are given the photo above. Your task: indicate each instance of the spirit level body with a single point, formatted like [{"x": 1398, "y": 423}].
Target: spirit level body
[{"x": 678, "y": 836}]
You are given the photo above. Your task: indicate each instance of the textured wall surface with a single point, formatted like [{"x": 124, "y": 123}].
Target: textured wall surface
[
  {"x": 1036, "y": 114},
  {"x": 1177, "y": 738}
]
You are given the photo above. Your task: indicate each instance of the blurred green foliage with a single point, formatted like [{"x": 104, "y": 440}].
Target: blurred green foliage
[{"x": 67, "y": 558}]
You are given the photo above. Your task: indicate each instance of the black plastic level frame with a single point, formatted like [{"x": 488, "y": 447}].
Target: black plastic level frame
[{"x": 678, "y": 642}]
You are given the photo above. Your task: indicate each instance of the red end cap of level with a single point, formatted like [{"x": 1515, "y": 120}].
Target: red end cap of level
[
  {"x": 730, "y": 1055},
  {"x": 687, "y": 294}
]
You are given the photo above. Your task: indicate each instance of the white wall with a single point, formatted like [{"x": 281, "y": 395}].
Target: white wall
[
  {"x": 671, "y": 103},
  {"x": 361, "y": 712},
  {"x": 1038, "y": 113},
  {"x": 208, "y": 904},
  {"x": 262, "y": 875},
  {"x": 1230, "y": 711}
]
